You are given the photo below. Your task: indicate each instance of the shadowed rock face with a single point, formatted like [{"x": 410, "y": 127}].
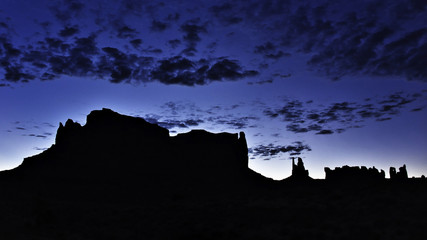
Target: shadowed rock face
[
  {"x": 402, "y": 174},
  {"x": 115, "y": 148},
  {"x": 299, "y": 172},
  {"x": 354, "y": 174}
]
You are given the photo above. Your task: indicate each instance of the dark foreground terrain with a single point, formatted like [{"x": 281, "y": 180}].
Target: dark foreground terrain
[
  {"x": 285, "y": 211},
  {"x": 120, "y": 177}
]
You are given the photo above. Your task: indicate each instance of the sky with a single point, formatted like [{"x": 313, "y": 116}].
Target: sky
[{"x": 333, "y": 82}]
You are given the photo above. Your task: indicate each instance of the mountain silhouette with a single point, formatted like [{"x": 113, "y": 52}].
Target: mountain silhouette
[{"x": 122, "y": 149}]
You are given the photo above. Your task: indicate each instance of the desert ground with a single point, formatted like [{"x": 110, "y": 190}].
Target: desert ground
[{"x": 287, "y": 210}]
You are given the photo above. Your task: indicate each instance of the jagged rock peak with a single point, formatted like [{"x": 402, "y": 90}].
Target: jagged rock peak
[
  {"x": 70, "y": 129},
  {"x": 106, "y": 115},
  {"x": 107, "y": 122},
  {"x": 100, "y": 119}
]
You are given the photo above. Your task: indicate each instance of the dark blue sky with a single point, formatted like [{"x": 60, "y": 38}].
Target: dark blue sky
[{"x": 334, "y": 82}]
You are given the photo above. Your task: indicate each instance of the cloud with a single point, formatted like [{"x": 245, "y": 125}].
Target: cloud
[
  {"x": 325, "y": 132},
  {"x": 270, "y": 51},
  {"x": 35, "y": 135},
  {"x": 233, "y": 122},
  {"x": 302, "y": 117},
  {"x": 228, "y": 69},
  {"x": 4, "y": 25},
  {"x": 66, "y": 10},
  {"x": 158, "y": 26},
  {"x": 174, "y": 43},
  {"x": 188, "y": 115},
  {"x": 79, "y": 56},
  {"x": 226, "y": 14},
  {"x": 180, "y": 70},
  {"x": 172, "y": 123},
  {"x": 126, "y": 32},
  {"x": 40, "y": 149},
  {"x": 272, "y": 150},
  {"x": 192, "y": 30},
  {"x": 337, "y": 38},
  {"x": 136, "y": 43},
  {"x": 417, "y": 109},
  {"x": 15, "y": 73},
  {"x": 379, "y": 38},
  {"x": 151, "y": 50},
  {"x": 261, "y": 82},
  {"x": 68, "y": 31},
  {"x": 33, "y": 129},
  {"x": 118, "y": 65}
]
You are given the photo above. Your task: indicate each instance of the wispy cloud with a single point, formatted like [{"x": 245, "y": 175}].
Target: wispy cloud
[{"x": 303, "y": 117}]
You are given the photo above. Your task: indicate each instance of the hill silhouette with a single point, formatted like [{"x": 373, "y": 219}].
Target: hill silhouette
[
  {"x": 120, "y": 177},
  {"x": 116, "y": 148}
]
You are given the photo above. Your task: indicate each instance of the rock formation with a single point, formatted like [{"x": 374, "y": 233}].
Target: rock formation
[
  {"x": 402, "y": 174},
  {"x": 298, "y": 171},
  {"x": 347, "y": 174},
  {"x": 116, "y": 148}
]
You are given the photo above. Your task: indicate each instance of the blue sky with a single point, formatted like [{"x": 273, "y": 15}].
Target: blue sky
[{"x": 333, "y": 82}]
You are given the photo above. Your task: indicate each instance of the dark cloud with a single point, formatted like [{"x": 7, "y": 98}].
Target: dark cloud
[
  {"x": 4, "y": 25},
  {"x": 338, "y": 38},
  {"x": 54, "y": 45},
  {"x": 228, "y": 69},
  {"x": 272, "y": 150},
  {"x": 417, "y": 109},
  {"x": 126, "y": 32},
  {"x": 233, "y": 122},
  {"x": 36, "y": 130},
  {"x": 158, "y": 26},
  {"x": 225, "y": 14},
  {"x": 269, "y": 50},
  {"x": 173, "y": 123},
  {"x": 66, "y": 10},
  {"x": 48, "y": 125},
  {"x": 337, "y": 117},
  {"x": 47, "y": 76},
  {"x": 373, "y": 39},
  {"x": 40, "y": 149},
  {"x": 68, "y": 31},
  {"x": 325, "y": 132},
  {"x": 36, "y": 135},
  {"x": 10, "y": 51},
  {"x": 369, "y": 38},
  {"x": 180, "y": 70},
  {"x": 296, "y": 128},
  {"x": 136, "y": 43},
  {"x": 261, "y": 82},
  {"x": 77, "y": 61},
  {"x": 118, "y": 65},
  {"x": 174, "y": 43},
  {"x": 383, "y": 119},
  {"x": 4, "y": 85},
  {"x": 187, "y": 115},
  {"x": 151, "y": 50},
  {"x": 192, "y": 30},
  {"x": 15, "y": 73},
  {"x": 173, "y": 17},
  {"x": 80, "y": 56}
]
